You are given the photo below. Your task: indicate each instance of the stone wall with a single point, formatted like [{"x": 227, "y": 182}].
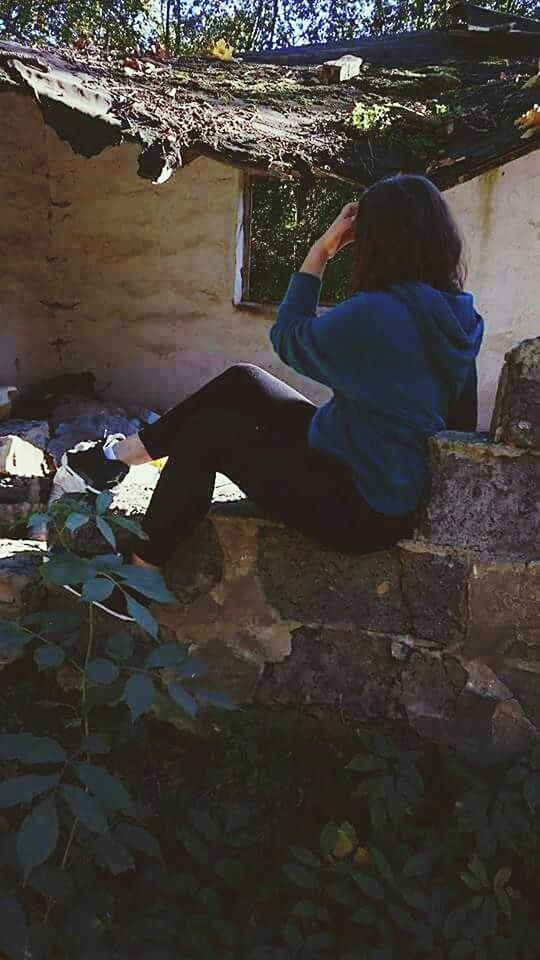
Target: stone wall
[
  {"x": 441, "y": 631},
  {"x": 104, "y": 271}
]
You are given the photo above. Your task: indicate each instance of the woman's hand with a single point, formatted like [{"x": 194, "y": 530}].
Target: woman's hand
[{"x": 341, "y": 232}]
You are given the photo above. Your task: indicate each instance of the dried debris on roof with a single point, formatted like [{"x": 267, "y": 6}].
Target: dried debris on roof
[{"x": 452, "y": 118}]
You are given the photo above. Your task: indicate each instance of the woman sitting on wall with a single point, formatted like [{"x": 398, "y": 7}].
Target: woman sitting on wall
[{"x": 399, "y": 356}]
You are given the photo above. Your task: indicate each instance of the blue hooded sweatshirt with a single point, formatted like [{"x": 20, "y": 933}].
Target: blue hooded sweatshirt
[{"x": 396, "y": 361}]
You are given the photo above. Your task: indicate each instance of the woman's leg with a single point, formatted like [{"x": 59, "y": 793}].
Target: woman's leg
[
  {"x": 243, "y": 388},
  {"x": 274, "y": 465}
]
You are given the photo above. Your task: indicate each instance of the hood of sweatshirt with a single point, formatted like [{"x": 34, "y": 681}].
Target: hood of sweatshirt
[{"x": 450, "y": 325}]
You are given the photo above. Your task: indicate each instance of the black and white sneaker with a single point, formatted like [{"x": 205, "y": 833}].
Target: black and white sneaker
[{"x": 86, "y": 468}]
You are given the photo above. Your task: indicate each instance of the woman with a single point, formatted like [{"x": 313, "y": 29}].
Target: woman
[{"x": 399, "y": 356}]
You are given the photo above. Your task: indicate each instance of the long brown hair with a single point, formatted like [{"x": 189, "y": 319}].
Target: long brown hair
[{"x": 405, "y": 232}]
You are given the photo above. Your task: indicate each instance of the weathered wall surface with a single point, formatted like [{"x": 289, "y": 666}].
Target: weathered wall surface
[
  {"x": 103, "y": 270},
  {"x": 499, "y": 215}
]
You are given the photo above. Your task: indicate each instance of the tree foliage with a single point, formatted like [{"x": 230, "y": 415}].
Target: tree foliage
[{"x": 190, "y": 25}]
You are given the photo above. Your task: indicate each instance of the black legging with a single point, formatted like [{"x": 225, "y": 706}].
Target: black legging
[{"x": 252, "y": 427}]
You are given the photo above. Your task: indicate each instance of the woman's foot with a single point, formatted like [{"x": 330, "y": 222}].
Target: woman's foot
[{"x": 87, "y": 468}]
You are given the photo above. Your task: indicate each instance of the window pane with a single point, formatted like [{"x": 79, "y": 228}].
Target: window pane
[{"x": 285, "y": 221}]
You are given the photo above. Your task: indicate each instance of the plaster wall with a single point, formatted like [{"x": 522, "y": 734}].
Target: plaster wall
[
  {"x": 104, "y": 271},
  {"x": 499, "y": 216}
]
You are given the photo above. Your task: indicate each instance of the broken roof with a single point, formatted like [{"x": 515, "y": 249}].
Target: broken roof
[{"x": 451, "y": 114}]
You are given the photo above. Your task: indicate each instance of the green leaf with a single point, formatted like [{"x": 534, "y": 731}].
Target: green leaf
[
  {"x": 132, "y": 526},
  {"x": 23, "y": 789},
  {"x": 105, "y": 562},
  {"x": 418, "y": 865},
  {"x": 212, "y": 698},
  {"x": 301, "y": 876},
  {"x": 103, "y": 502},
  {"x": 182, "y": 698},
  {"x": 108, "y": 791},
  {"x": 27, "y": 748},
  {"x": 97, "y": 589},
  {"x": 303, "y": 909},
  {"x": 142, "y": 615},
  {"x": 328, "y": 838},
  {"x": 403, "y": 918},
  {"x": 319, "y": 941},
  {"x": 120, "y": 645},
  {"x": 84, "y": 808},
  {"x": 462, "y": 949},
  {"x": 46, "y": 657},
  {"x": 382, "y": 865},
  {"x": 205, "y": 824},
  {"x": 106, "y": 531},
  {"x": 38, "y": 835},
  {"x": 68, "y": 569},
  {"x": 137, "y": 838},
  {"x": 365, "y": 916},
  {"x": 342, "y": 893},
  {"x": 95, "y": 743},
  {"x": 368, "y": 885},
  {"x": 102, "y": 671},
  {"x": 48, "y": 621},
  {"x": 193, "y": 844},
  {"x": 366, "y": 764},
  {"x": 235, "y": 873},
  {"x": 76, "y": 520},
  {"x": 52, "y": 882},
  {"x": 13, "y": 929},
  {"x": 148, "y": 582},
  {"x": 168, "y": 655},
  {"x": 305, "y": 856},
  {"x": 113, "y": 854},
  {"x": 139, "y": 694}
]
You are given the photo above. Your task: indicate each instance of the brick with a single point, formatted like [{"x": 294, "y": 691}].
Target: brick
[
  {"x": 516, "y": 415},
  {"x": 483, "y": 497},
  {"x": 504, "y": 609},
  {"x": 311, "y": 584},
  {"x": 434, "y": 582}
]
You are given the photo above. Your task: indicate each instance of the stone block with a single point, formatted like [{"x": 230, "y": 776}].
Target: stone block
[
  {"x": 19, "y": 458},
  {"x": 504, "y": 610},
  {"x": 434, "y": 581},
  {"x": 336, "y": 669},
  {"x": 516, "y": 415},
  {"x": 308, "y": 583},
  {"x": 21, "y": 589},
  {"x": 430, "y": 687},
  {"x": 25, "y": 489},
  {"x": 522, "y": 678},
  {"x": 483, "y": 497},
  {"x": 14, "y": 513},
  {"x": 33, "y": 431}
]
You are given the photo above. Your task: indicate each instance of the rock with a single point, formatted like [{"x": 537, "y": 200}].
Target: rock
[
  {"x": 20, "y": 585},
  {"x": 336, "y": 669},
  {"x": 19, "y": 458},
  {"x": 14, "y": 513},
  {"x": 504, "y": 610},
  {"x": 516, "y": 416},
  {"x": 434, "y": 582},
  {"x": 483, "y": 496},
  {"x": 33, "y": 431},
  {"x": 69, "y": 408}
]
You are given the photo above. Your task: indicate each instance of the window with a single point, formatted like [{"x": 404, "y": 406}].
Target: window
[{"x": 281, "y": 219}]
